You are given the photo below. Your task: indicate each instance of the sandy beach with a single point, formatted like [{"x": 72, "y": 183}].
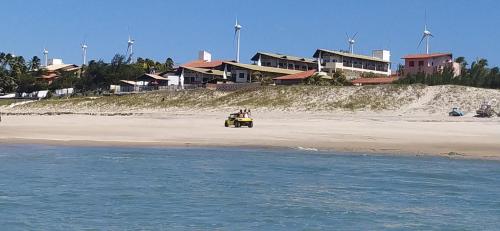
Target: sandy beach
[{"x": 465, "y": 137}]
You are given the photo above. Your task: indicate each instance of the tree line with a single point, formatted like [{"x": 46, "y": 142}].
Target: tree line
[
  {"x": 478, "y": 74},
  {"x": 19, "y": 75}
]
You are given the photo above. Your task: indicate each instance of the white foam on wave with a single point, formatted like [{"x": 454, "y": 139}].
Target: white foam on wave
[{"x": 307, "y": 149}]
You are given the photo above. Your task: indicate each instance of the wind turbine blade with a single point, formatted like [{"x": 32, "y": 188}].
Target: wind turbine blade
[
  {"x": 421, "y": 40},
  {"x": 347, "y": 36},
  {"x": 353, "y": 37}
]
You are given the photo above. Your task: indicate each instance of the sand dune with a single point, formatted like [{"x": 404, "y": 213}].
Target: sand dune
[
  {"x": 387, "y": 98},
  {"x": 382, "y": 119}
]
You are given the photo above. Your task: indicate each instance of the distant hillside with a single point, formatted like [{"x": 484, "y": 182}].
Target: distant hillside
[{"x": 403, "y": 98}]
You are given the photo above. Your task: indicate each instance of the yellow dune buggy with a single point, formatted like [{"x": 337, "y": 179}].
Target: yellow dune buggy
[{"x": 235, "y": 120}]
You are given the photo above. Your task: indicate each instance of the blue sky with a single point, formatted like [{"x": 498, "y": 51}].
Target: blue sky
[{"x": 179, "y": 29}]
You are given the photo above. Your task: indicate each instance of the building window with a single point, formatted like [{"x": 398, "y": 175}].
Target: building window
[
  {"x": 281, "y": 65},
  {"x": 412, "y": 63},
  {"x": 304, "y": 68},
  {"x": 241, "y": 75},
  {"x": 420, "y": 63},
  {"x": 290, "y": 66},
  {"x": 297, "y": 67}
]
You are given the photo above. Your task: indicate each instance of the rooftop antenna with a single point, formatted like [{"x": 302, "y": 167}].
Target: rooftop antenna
[
  {"x": 84, "y": 52},
  {"x": 130, "y": 49},
  {"x": 427, "y": 34},
  {"x": 237, "y": 29},
  {"x": 351, "y": 41},
  {"x": 46, "y": 56}
]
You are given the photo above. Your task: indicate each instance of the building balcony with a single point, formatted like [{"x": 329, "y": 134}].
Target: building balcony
[{"x": 357, "y": 67}]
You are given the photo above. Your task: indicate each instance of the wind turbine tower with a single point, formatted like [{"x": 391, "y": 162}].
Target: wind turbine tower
[
  {"x": 46, "y": 56},
  {"x": 237, "y": 29},
  {"x": 427, "y": 35},
  {"x": 84, "y": 52},
  {"x": 351, "y": 41},
  {"x": 130, "y": 48}
]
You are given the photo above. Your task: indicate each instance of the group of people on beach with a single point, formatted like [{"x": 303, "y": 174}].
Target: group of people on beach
[{"x": 245, "y": 113}]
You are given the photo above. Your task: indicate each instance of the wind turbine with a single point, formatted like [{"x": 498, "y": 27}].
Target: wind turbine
[
  {"x": 237, "y": 29},
  {"x": 130, "y": 48},
  {"x": 84, "y": 52},
  {"x": 351, "y": 42},
  {"x": 427, "y": 34},
  {"x": 46, "y": 56}
]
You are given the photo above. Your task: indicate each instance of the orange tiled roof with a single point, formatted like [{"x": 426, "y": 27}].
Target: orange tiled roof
[
  {"x": 426, "y": 56},
  {"x": 203, "y": 64},
  {"x": 380, "y": 80},
  {"x": 300, "y": 75}
]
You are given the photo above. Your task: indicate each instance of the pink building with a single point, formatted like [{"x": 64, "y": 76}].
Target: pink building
[{"x": 429, "y": 63}]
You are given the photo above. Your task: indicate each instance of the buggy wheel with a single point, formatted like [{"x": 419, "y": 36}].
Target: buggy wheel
[
  {"x": 237, "y": 124},
  {"x": 250, "y": 125},
  {"x": 226, "y": 124}
]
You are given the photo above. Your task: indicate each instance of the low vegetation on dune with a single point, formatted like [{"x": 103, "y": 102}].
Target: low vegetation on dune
[{"x": 406, "y": 98}]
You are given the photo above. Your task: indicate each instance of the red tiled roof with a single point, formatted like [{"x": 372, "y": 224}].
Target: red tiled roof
[
  {"x": 381, "y": 80},
  {"x": 426, "y": 56},
  {"x": 203, "y": 64},
  {"x": 300, "y": 75}
]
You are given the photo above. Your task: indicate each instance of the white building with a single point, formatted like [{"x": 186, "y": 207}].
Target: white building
[
  {"x": 204, "y": 56},
  {"x": 290, "y": 62},
  {"x": 354, "y": 65}
]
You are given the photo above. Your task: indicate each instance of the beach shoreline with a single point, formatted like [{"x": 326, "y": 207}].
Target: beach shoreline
[
  {"x": 160, "y": 145},
  {"x": 366, "y": 133}
]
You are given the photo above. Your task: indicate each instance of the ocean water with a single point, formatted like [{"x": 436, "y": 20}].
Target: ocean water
[{"x": 83, "y": 188}]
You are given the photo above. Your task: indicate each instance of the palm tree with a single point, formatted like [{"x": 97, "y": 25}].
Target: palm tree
[
  {"x": 7, "y": 60},
  {"x": 35, "y": 63},
  {"x": 169, "y": 63},
  {"x": 18, "y": 66},
  {"x": 2, "y": 59}
]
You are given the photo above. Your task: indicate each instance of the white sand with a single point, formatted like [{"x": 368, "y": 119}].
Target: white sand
[{"x": 351, "y": 132}]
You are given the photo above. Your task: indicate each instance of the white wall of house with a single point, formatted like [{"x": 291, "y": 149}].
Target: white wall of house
[
  {"x": 382, "y": 54},
  {"x": 355, "y": 65},
  {"x": 55, "y": 61},
  {"x": 241, "y": 76},
  {"x": 173, "y": 80},
  {"x": 205, "y": 56},
  {"x": 285, "y": 64}
]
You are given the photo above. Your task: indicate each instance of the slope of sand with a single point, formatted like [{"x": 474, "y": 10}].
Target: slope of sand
[
  {"x": 384, "y": 119},
  {"x": 384, "y": 132},
  {"x": 397, "y": 99}
]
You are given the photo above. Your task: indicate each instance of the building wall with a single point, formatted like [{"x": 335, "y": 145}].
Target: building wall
[
  {"x": 286, "y": 64},
  {"x": 192, "y": 77},
  {"x": 353, "y": 67},
  {"x": 172, "y": 79},
  {"x": 240, "y": 76},
  {"x": 430, "y": 66}
]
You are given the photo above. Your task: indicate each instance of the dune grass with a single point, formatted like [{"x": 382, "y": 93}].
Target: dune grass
[{"x": 298, "y": 97}]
